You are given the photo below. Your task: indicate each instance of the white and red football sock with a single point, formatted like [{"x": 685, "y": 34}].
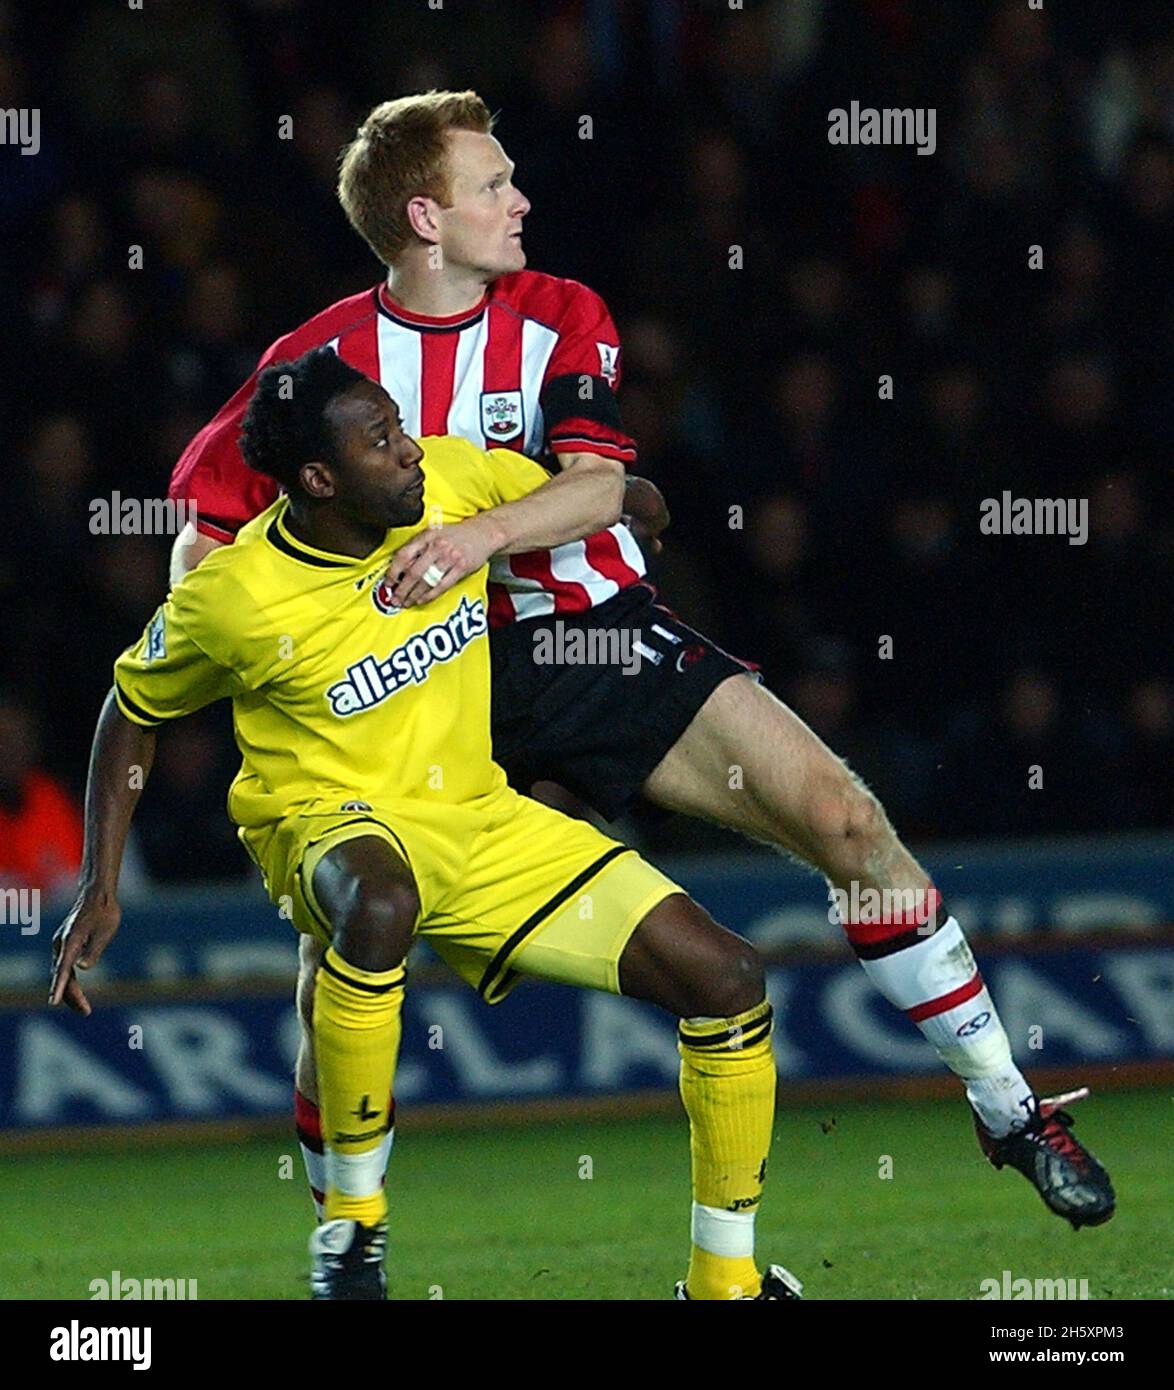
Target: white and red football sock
[
  {"x": 921, "y": 963},
  {"x": 308, "y": 1123}
]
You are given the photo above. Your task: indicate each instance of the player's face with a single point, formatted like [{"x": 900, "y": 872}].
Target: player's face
[
  {"x": 482, "y": 230},
  {"x": 377, "y": 476}
]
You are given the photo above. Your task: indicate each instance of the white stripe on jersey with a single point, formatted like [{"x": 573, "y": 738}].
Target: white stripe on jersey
[
  {"x": 569, "y": 563},
  {"x": 400, "y": 365},
  {"x": 526, "y": 596},
  {"x": 538, "y": 342},
  {"x": 468, "y": 381},
  {"x": 630, "y": 552},
  {"x": 401, "y": 358}
]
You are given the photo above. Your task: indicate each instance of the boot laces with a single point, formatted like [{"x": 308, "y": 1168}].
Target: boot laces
[{"x": 1054, "y": 1134}]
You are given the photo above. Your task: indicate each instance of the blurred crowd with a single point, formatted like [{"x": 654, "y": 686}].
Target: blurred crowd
[{"x": 764, "y": 282}]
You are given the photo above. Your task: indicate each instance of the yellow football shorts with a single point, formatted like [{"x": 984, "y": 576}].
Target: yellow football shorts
[{"x": 507, "y": 887}]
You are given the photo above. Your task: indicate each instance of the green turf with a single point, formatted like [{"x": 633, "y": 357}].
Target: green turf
[{"x": 505, "y": 1213}]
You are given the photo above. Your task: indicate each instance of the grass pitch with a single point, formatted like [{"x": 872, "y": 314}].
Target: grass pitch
[{"x": 599, "y": 1209}]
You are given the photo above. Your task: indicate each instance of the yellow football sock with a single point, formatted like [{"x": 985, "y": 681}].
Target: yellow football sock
[
  {"x": 356, "y": 1040},
  {"x": 728, "y": 1084}
]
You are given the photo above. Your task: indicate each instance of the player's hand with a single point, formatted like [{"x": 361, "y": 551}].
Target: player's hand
[
  {"x": 645, "y": 512},
  {"x": 455, "y": 551},
  {"x": 79, "y": 942}
]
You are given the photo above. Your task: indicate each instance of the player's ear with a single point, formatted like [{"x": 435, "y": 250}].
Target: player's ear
[
  {"x": 422, "y": 218},
  {"x": 317, "y": 479}
]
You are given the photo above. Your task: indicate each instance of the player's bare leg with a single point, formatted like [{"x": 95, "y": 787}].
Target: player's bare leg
[
  {"x": 366, "y": 892},
  {"x": 749, "y": 763}
]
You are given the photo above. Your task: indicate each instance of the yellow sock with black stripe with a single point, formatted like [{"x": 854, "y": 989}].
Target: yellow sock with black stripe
[
  {"x": 356, "y": 1041},
  {"x": 728, "y": 1083}
]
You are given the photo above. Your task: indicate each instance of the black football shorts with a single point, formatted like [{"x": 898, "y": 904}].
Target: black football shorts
[{"x": 595, "y": 700}]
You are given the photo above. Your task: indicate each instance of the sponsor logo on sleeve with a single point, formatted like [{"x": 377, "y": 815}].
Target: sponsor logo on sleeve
[
  {"x": 609, "y": 361},
  {"x": 156, "y": 639}
]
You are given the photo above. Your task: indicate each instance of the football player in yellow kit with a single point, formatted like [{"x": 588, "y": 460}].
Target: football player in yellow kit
[{"x": 369, "y": 798}]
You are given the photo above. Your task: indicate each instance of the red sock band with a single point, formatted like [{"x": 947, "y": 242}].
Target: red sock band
[
  {"x": 307, "y": 1120},
  {"x": 917, "y": 924},
  {"x": 946, "y": 1001}
]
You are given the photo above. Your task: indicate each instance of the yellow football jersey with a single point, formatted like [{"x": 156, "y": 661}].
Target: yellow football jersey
[{"x": 337, "y": 695}]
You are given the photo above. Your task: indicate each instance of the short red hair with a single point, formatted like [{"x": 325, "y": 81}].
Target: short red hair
[{"x": 400, "y": 153}]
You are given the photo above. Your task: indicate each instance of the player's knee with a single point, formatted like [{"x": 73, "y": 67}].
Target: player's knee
[
  {"x": 374, "y": 925},
  {"x": 842, "y": 810},
  {"x": 734, "y": 981}
]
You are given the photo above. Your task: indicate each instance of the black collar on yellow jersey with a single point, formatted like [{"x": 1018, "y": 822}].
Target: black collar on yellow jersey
[{"x": 281, "y": 538}]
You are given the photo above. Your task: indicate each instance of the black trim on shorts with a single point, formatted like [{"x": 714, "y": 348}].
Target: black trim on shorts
[
  {"x": 535, "y": 920},
  {"x": 358, "y": 820},
  {"x": 317, "y": 916},
  {"x": 368, "y": 820}
]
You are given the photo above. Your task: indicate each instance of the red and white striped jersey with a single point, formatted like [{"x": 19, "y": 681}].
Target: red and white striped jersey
[{"x": 534, "y": 366}]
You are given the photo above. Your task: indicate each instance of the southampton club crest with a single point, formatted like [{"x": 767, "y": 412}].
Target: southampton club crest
[{"x": 501, "y": 415}]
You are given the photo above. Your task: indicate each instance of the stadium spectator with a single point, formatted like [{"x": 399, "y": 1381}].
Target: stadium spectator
[{"x": 40, "y": 825}]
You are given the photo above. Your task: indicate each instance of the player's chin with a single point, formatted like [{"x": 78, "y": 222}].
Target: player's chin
[
  {"x": 511, "y": 260},
  {"x": 407, "y": 511}
]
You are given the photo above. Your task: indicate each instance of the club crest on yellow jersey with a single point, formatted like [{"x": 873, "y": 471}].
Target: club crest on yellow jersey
[{"x": 383, "y": 599}]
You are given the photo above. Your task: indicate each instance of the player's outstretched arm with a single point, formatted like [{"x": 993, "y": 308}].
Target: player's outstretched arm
[
  {"x": 587, "y": 496},
  {"x": 120, "y": 762}
]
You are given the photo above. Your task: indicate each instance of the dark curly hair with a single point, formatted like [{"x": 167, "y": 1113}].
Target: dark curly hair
[{"x": 285, "y": 425}]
